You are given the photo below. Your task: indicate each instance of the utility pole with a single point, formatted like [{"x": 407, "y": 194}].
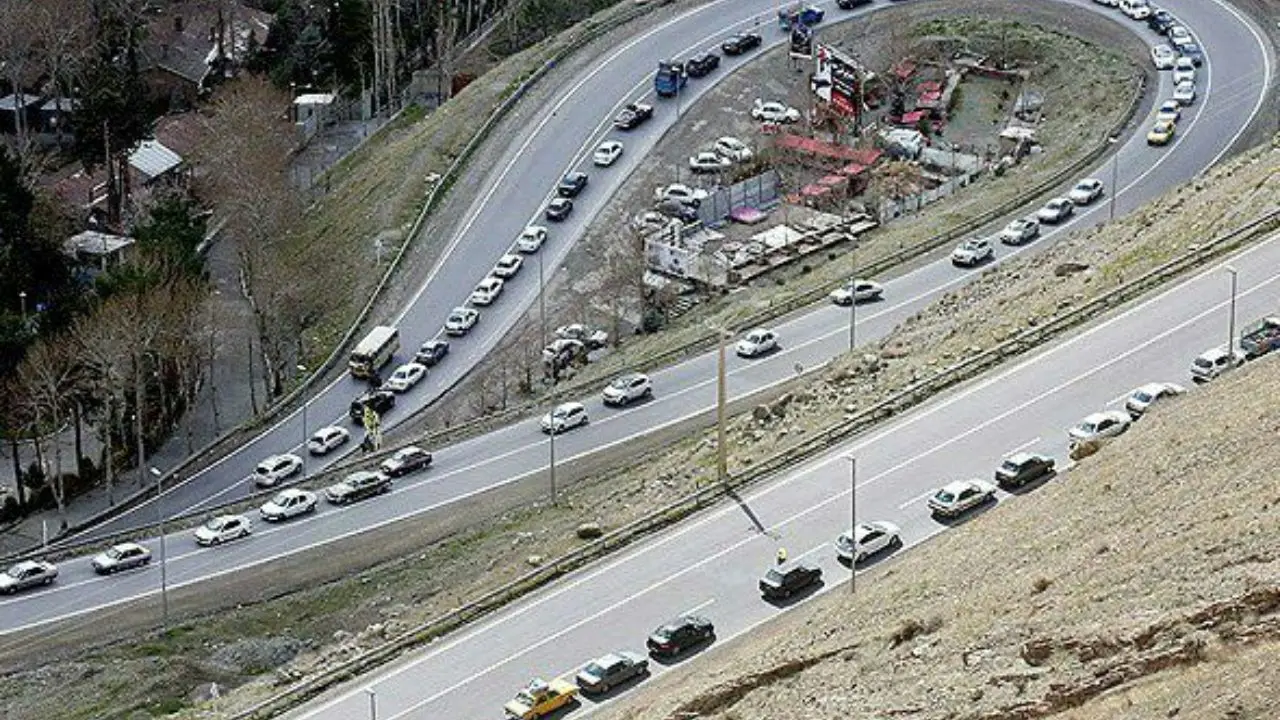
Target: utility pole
[
  {"x": 722, "y": 459},
  {"x": 164, "y": 560},
  {"x": 305, "y": 401},
  {"x": 853, "y": 294},
  {"x": 1115, "y": 174},
  {"x": 1231, "y": 322},
  {"x": 853, "y": 515}
]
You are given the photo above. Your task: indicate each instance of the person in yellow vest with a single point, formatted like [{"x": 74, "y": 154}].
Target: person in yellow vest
[{"x": 782, "y": 555}]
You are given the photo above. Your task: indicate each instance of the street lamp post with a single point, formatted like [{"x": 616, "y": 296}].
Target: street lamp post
[
  {"x": 853, "y": 294},
  {"x": 306, "y": 399},
  {"x": 555, "y": 373},
  {"x": 164, "y": 570},
  {"x": 1231, "y": 320},
  {"x": 722, "y": 457},
  {"x": 22, "y": 297},
  {"x": 1115, "y": 181},
  {"x": 853, "y": 515},
  {"x": 373, "y": 703}
]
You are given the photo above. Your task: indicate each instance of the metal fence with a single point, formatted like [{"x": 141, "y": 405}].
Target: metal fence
[{"x": 761, "y": 191}]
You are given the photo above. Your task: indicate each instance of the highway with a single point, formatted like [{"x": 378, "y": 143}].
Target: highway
[
  {"x": 687, "y": 389},
  {"x": 712, "y": 562}
]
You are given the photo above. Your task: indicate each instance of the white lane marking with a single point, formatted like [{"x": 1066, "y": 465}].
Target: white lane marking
[
  {"x": 1118, "y": 398},
  {"x": 1023, "y": 446},
  {"x": 916, "y": 499}
]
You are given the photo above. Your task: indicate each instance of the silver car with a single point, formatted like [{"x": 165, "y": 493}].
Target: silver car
[
  {"x": 27, "y": 574},
  {"x": 121, "y": 557},
  {"x": 866, "y": 540}
]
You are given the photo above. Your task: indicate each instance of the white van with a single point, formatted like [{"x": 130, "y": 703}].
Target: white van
[
  {"x": 1136, "y": 9},
  {"x": 375, "y": 350}
]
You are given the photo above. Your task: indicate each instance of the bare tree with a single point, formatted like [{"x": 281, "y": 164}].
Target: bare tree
[
  {"x": 63, "y": 32},
  {"x": 21, "y": 22},
  {"x": 48, "y": 377}
]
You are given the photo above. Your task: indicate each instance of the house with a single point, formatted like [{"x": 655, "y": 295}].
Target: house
[
  {"x": 311, "y": 112},
  {"x": 191, "y": 44},
  {"x": 98, "y": 250},
  {"x": 152, "y": 163},
  {"x": 55, "y": 114},
  {"x": 14, "y": 105}
]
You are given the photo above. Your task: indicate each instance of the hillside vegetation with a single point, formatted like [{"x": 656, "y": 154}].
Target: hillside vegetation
[{"x": 1142, "y": 584}]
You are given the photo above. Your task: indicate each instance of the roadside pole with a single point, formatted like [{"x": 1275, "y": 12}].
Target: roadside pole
[
  {"x": 1231, "y": 320},
  {"x": 853, "y": 515},
  {"x": 305, "y": 401}
]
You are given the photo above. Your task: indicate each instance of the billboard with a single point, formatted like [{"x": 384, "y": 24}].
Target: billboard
[{"x": 836, "y": 79}]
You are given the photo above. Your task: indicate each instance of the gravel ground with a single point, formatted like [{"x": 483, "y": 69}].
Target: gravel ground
[{"x": 1078, "y": 116}]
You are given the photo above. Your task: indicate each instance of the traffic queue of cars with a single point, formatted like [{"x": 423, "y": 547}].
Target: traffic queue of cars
[
  {"x": 1180, "y": 53},
  {"x": 1020, "y": 231}
]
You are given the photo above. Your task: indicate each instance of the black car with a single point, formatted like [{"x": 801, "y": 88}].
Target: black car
[
  {"x": 674, "y": 636},
  {"x": 379, "y": 400},
  {"x": 1161, "y": 21},
  {"x": 1193, "y": 51},
  {"x": 572, "y": 184},
  {"x": 1018, "y": 470},
  {"x": 676, "y": 209},
  {"x": 851, "y": 4},
  {"x": 405, "y": 461},
  {"x": 702, "y": 65},
  {"x": 559, "y": 208},
  {"x": 632, "y": 116},
  {"x": 786, "y": 580},
  {"x": 432, "y": 352},
  {"x": 741, "y": 43},
  {"x": 611, "y": 671},
  {"x": 357, "y": 486}
]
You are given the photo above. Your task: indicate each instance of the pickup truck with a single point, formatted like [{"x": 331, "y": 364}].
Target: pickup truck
[
  {"x": 669, "y": 79},
  {"x": 632, "y": 116},
  {"x": 1260, "y": 337}
]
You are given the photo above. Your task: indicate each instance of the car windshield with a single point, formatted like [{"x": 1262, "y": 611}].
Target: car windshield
[
  {"x": 1010, "y": 466},
  {"x": 1142, "y": 396},
  {"x": 1087, "y": 427},
  {"x": 115, "y": 553},
  {"x": 1203, "y": 362},
  {"x": 594, "y": 669},
  {"x": 621, "y": 383},
  {"x": 14, "y": 571},
  {"x": 215, "y": 524},
  {"x": 773, "y": 576},
  {"x": 945, "y": 496},
  {"x": 280, "y": 498},
  {"x": 525, "y": 698}
]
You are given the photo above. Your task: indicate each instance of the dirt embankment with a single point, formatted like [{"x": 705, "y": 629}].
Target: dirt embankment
[{"x": 1154, "y": 593}]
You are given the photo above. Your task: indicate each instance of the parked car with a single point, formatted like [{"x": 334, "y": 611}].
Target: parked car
[
  {"x": 607, "y": 154},
  {"x": 708, "y": 162},
  {"x": 290, "y": 502},
  {"x": 774, "y": 112},
  {"x": 1100, "y": 426},
  {"x": 741, "y": 43},
  {"x": 632, "y": 116},
  {"x": 679, "y": 634},
  {"x": 680, "y": 211},
  {"x": 531, "y": 239},
  {"x": 1020, "y": 230},
  {"x": 572, "y": 185},
  {"x": 1169, "y": 110},
  {"x": 486, "y": 292},
  {"x": 959, "y": 497},
  {"x": 561, "y": 352},
  {"x": 1193, "y": 51},
  {"x": 405, "y": 377},
  {"x": 460, "y": 321},
  {"x": 857, "y": 290},
  {"x": 271, "y": 471},
  {"x": 508, "y": 266},
  {"x": 757, "y": 342},
  {"x": 1024, "y": 467},
  {"x": 327, "y": 439},
  {"x": 702, "y": 64},
  {"x": 1214, "y": 362},
  {"x": 565, "y": 417},
  {"x": 558, "y": 209},
  {"x": 405, "y": 461},
  {"x": 627, "y": 389},
  {"x": 27, "y": 574},
  {"x": 1184, "y": 70},
  {"x": 690, "y": 196},
  {"x": 1161, "y": 133},
  {"x": 1178, "y": 34},
  {"x": 223, "y": 528},
  {"x": 358, "y": 485},
  {"x": 971, "y": 252},
  {"x": 593, "y": 339},
  {"x": 540, "y": 698},
  {"x": 610, "y": 671},
  {"x": 732, "y": 148},
  {"x": 1140, "y": 400},
  {"x": 1056, "y": 210},
  {"x": 1185, "y": 93},
  {"x": 380, "y": 401},
  {"x": 786, "y": 580},
  {"x": 124, "y": 556},
  {"x": 1085, "y": 191},
  {"x": 1161, "y": 21},
  {"x": 1163, "y": 56},
  {"x": 867, "y": 539}
]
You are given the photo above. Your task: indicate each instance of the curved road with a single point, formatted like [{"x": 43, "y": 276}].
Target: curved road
[{"x": 811, "y": 339}]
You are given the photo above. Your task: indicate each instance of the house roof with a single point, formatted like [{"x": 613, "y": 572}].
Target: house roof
[
  {"x": 182, "y": 37},
  {"x": 92, "y": 242},
  {"x": 180, "y": 133},
  {"x": 153, "y": 159},
  {"x": 315, "y": 99},
  {"x": 9, "y": 102},
  {"x": 60, "y": 104}
]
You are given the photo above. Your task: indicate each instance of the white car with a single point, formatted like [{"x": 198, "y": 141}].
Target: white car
[
  {"x": 733, "y": 148},
  {"x": 708, "y": 162},
  {"x": 866, "y": 540},
  {"x": 1179, "y": 35},
  {"x": 1214, "y": 362},
  {"x": 774, "y": 112},
  {"x": 607, "y": 154},
  {"x": 125, "y": 556},
  {"x": 461, "y": 320},
  {"x": 1135, "y": 9},
  {"x": 972, "y": 251},
  {"x": 326, "y": 439},
  {"x": 288, "y": 503},
  {"x": 1163, "y": 56},
  {"x": 1108, "y": 3},
  {"x": 405, "y": 377},
  {"x": 1056, "y": 210},
  {"x": 1085, "y": 191},
  {"x": 530, "y": 241},
  {"x": 508, "y": 265},
  {"x": 1100, "y": 426},
  {"x": 857, "y": 290},
  {"x": 27, "y": 574},
  {"x": 1169, "y": 111},
  {"x": 1020, "y": 231},
  {"x": 271, "y": 471},
  {"x": 1184, "y": 70},
  {"x": 961, "y": 496},
  {"x": 757, "y": 342},
  {"x": 1185, "y": 93},
  {"x": 223, "y": 528},
  {"x": 565, "y": 416},
  {"x": 486, "y": 292},
  {"x": 682, "y": 193},
  {"x": 627, "y": 389},
  {"x": 1147, "y": 395}
]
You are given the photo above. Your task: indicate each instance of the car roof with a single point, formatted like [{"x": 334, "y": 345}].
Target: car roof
[
  {"x": 1099, "y": 416},
  {"x": 1020, "y": 458},
  {"x": 610, "y": 659},
  {"x": 572, "y": 405},
  {"x": 956, "y": 486},
  {"x": 1153, "y": 388}
]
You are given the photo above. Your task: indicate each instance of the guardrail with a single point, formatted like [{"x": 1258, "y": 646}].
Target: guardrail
[
  {"x": 589, "y": 32},
  {"x": 902, "y": 400}
]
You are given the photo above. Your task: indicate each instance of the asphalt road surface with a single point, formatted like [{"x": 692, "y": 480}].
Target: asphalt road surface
[{"x": 687, "y": 389}]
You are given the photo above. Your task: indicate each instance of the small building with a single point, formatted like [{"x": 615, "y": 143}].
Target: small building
[
  {"x": 55, "y": 115},
  {"x": 192, "y": 44},
  {"x": 311, "y": 112},
  {"x": 152, "y": 162},
  {"x": 98, "y": 250},
  {"x": 18, "y": 105}
]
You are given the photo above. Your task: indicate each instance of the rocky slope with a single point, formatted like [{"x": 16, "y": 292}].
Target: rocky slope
[{"x": 1154, "y": 592}]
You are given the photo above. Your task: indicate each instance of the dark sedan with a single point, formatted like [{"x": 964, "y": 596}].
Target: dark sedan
[
  {"x": 380, "y": 401},
  {"x": 407, "y": 460},
  {"x": 572, "y": 184},
  {"x": 702, "y": 64},
  {"x": 558, "y": 209},
  {"x": 677, "y": 635},
  {"x": 741, "y": 43},
  {"x": 1022, "y": 468},
  {"x": 611, "y": 671},
  {"x": 787, "y": 580},
  {"x": 432, "y": 352}
]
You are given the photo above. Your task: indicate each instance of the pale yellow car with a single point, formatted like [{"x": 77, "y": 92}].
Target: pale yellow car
[
  {"x": 1161, "y": 133},
  {"x": 540, "y": 698}
]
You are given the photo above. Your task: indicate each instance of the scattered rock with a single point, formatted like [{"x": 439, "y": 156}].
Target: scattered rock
[
  {"x": 535, "y": 560},
  {"x": 257, "y": 655},
  {"x": 590, "y": 530},
  {"x": 1069, "y": 268},
  {"x": 761, "y": 413}
]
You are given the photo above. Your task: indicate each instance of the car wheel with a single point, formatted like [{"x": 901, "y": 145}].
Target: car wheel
[
  {"x": 859, "y": 558},
  {"x": 896, "y": 542},
  {"x": 604, "y": 687},
  {"x": 47, "y": 581},
  {"x": 217, "y": 540},
  {"x": 310, "y": 508}
]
